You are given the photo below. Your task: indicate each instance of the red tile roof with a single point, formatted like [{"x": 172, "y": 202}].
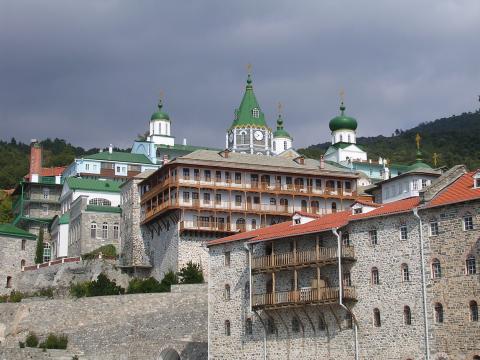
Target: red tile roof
[
  {"x": 52, "y": 171},
  {"x": 394, "y": 207},
  {"x": 460, "y": 190},
  {"x": 367, "y": 203}
]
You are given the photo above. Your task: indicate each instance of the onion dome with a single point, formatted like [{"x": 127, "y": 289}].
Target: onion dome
[
  {"x": 280, "y": 132},
  {"x": 419, "y": 164},
  {"x": 160, "y": 115},
  {"x": 249, "y": 112},
  {"x": 343, "y": 122}
]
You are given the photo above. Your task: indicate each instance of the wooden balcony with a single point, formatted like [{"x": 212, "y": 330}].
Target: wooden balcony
[
  {"x": 327, "y": 295},
  {"x": 209, "y": 226},
  {"x": 299, "y": 259}
]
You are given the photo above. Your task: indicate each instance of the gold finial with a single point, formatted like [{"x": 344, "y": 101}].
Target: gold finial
[
  {"x": 417, "y": 140},
  {"x": 279, "y": 108},
  {"x": 435, "y": 158},
  {"x": 249, "y": 69},
  {"x": 342, "y": 95},
  {"x": 162, "y": 94}
]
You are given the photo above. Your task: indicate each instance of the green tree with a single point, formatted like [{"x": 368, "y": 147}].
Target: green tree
[
  {"x": 191, "y": 274},
  {"x": 6, "y": 215},
  {"x": 39, "y": 251}
]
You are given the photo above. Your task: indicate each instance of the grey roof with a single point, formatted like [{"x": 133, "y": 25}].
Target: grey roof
[
  {"x": 143, "y": 175},
  {"x": 263, "y": 163},
  {"x": 421, "y": 171}
]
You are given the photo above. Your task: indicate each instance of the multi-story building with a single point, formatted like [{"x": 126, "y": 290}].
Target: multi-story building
[
  {"x": 376, "y": 281},
  {"x": 208, "y": 194}
]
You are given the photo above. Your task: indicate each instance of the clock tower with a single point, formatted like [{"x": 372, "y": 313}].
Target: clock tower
[{"x": 249, "y": 133}]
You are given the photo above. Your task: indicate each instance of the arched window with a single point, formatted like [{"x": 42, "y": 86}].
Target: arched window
[
  {"x": 341, "y": 138},
  {"x": 273, "y": 201},
  {"x": 248, "y": 326},
  {"x": 255, "y": 113},
  {"x": 349, "y": 139},
  {"x": 375, "y": 278},
  {"x": 405, "y": 273},
  {"x": 348, "y": 320},
  {"x": 334, "y": 207},
  {"x": 240, "y": 224},
  {"x": 22, "y": 264},
  {"x": 285, "y": 145},
  {"x": 100, "y": 201},
  {"x": 436, "y": 269},
  {"x": 438, "y": 313},
  {"x": 473, "y": 311},
  {"x": 295, "y": 324},
  {"x": 243, "y": 137},
  {"x": 104, "y": 230},
  {"x": 346, "y": 239},
  {"x": 407, "y": 315},
  {"x": 304, "y": 205},
  {"x": 467, "y": 221},
  {"x": 9, "y": 282},
  {"x": 274, "y": 146},
  {"x": 24, "y": 244},
  {"x": 376, "y": 318},
  {"x": 116, "y": 230},
  {"x": 226, "y": 294},
  {"x": 470, "y": 265},
  {"x": 227, "y": 327},
  {"x": 315, "y": 206},
  {"x": 93, "y": 230},
  {"x": 254, "y": 224}
]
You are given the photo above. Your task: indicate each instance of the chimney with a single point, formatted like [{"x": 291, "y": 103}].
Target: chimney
[
  {"x": 224, "y": 153},
  {"x": 35, "y": 160},
  {"x": 322, "y": 162},
  {"x": 110, "y": 148},
  {"x": 184, "y": 141},
  {"x": 165, "y": 159}
]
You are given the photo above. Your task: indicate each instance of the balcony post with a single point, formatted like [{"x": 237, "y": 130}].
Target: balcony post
[
  {"x": 295, "y": 252},
  {"x": 295, "y": 280},
  {"x": 318, "y": 283},
  {"x": 273, "y": 288},
  {"x": 317, "y": 247}
]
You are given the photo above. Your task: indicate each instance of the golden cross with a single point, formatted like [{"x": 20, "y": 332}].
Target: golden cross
[
  {"x": 279, "y": 107},
  {"x": 342, "y": 95},
  {"x": 162, "y": 94},
  {"x": 435, "y": 158},
  {"x": 249, "y": 68},
  {"x": 417, "y": 140}
]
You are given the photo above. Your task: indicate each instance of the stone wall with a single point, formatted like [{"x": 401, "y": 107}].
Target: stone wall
[
  {"x": 11, "y": 256},
  {"x": 137, "y": 326}
]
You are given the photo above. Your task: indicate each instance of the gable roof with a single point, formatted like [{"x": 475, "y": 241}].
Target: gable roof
[
  {"x": 118, "y": 156},
  {"x": 75, "y": 183},
  {"x": 460, "y": 190},
  {"x": 10, "y": 230}
]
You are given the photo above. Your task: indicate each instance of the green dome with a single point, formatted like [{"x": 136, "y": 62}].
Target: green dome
[
  {"x": 343, "y": 122},
  {"x": 419, "y": 164},
  {"x": 280, "y": 132},
  {"x": 160, "y": 115}
]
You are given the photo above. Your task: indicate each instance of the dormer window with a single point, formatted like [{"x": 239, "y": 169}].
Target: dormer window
[
  {"x": 255, "y": 113},
  {"x": 476, "y": 180}
]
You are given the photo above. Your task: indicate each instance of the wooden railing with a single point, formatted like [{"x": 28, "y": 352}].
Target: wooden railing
[
  {"x": 300, "y": 257},
  {"x": 325, "y": 295}
]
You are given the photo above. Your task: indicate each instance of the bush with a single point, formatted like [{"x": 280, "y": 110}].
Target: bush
[
  {"x": 152, "y": 285},
  {"x": 101, "y": 287},
  {"x": 21, "y": 344},
  {"x": 54, "y": 342},
  {"x": 31, "y": 340},
  {"x": 45, "y": 292},
  {"x": 106, "y": 250},
  {"x": 191, "y": 274},
  {"x": 15, "y": 296}
]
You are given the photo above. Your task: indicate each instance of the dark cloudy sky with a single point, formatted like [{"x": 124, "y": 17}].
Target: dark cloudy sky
[{"x": 90, "y": 71}]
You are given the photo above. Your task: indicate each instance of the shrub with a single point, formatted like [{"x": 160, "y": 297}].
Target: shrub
[
  {"x": 39, "y": 249},
  {"x": 101, "y": 287},
  {"x": 79, "y": 289},
  {"x": 15, "y": 296},
  {"x": 21, "y": 344},
  {"x": 191, "y": 274},
  {"x": 31, "y": 340},
  {"x": 106, "y": 250},
  {"x": 55, "y": 342},
  {"x": 45, "y": 292},
  {"x": 169, "y": 279}
]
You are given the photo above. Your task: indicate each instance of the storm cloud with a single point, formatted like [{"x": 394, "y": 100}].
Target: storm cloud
[{"x": 91, "y": 71}]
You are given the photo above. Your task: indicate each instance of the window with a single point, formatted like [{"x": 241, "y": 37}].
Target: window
[
  {"x": 403, "y": 232},
  {"x": 433, "y": 228},
  {"x": 248, "y": 327},
  {"x": 206, "y": 198},
  {"x": 247, "y": 288},
  {"x": 46, "y": 193},
  {"x": 285, "y": 145},
  {"x": 45, "y": 209},
  {"x": 47, "y": 252},
  {"x": 238, "y": 200},
  {"x": 87, "y": 167},
  {"x": 424, "y": 183},
  {"x": 375, "y": 279},
  {"x": 321, "y": 323},
  {"x": 372, "y": 234},
  {"x": 347, "y": 279},
  {"x": 186, "y": 173},
  {"x": 238, "y": 178},
  {"x": 334, "y": 207},
  {"x": 295, "y": 324},
  {"x": 405, "y": 273},
  {"x": 471, "y": 265},
  {"x": 348, "y": 320},
  {"x": 376, "y": 318},
  {"x": 22, "y": 264},
  {"x": 273, "y": 201},
  {"x": 473, "y": 311},
  {"x": 240, "y": 224},
  {"x": 255, "y": 113},
  {"x": 9, "y": 282},
  {"x": 218, "y": 199},
  {"x": 227, "y": 327},
  {"x": 104, "y": 230},
  {"x": 436, "y": 269},
  {"x": 303, "y": 205},
  {"x": 186, "y": 196},
  {"x": 271, "y": 328},
  {"x": 115, "y": 231},
  {"x": 208, "y": 175},
  {"x": 226, "y": 294},
  {"x": 93, "y": 230},
  {"x": 415, "y": 185},
  {"x": 438, "y": 313},
  {"x": 477, "y": 182},
  {"x": 468, "y": 222},
  {"x": 24, "y": 244},
  {"x": 100, "y": 201},
  {"x": 227, "y": 258},
  {"x": 227, "y": 176},
  {"x": 218, "y": 176},
  {"x": 254, "y": 224},
  {"x": 407, "y": 315},
  {"x": 346, "y": 239}
]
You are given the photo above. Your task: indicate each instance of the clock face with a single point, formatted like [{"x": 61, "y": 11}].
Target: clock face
[
  {"x": 230, "y": 137},
  {"x": 258, "y": 135}
]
